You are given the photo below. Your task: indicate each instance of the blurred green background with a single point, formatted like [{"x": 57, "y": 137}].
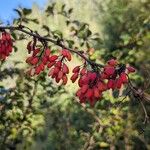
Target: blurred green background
[{"x": 36, "y": 113}]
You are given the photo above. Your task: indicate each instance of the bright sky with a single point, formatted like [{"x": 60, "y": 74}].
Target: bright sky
[{"x": 7, "y": 6}]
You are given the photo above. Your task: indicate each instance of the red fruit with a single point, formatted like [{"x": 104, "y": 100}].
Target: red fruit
[
  {"x": 83, "y": 71},
  {"x": 112, "y": 62},
  {"x": 60, "y": 75},
  {"x": 79, "y": 93},
  {"x": 37, "y": 70},
  {"x": 85, "y": 79},
  {"x": 44, "y": 60},
  {"x": 68, "y": 56},
  {"x": 89, "y": 93},
  {"x": 56, "y": 70},
  {"x": 29, "y": 59},
  {"x": 76, "y": 69},
  {"x": 58, "y": 64},
  {"x": 130, "y": 69},
  {"x": 74, "y": 77},
  {"x": 82, "y": 99},
  {"x": 51, "y": 72},
  {"x": 104, "y": 76},
  {"x": 92, "y": 101},
  {"x": 118, "y": 83},
  {"x": 65, "y": 69},
  {"x": 109, "y": 70},
  {"x": 49, "y": 65},
  {"x": 92, "y": 75},
  {"x": 80, "y": 82},
  {"x": 111, "y": 84},
  {"x": 96, "y": 92},
  {"x": 53, "y": 58},
  {"x": 123, "y": 77},
  {"x": 34, "y": 61},
  {"x": 42, "y": 66},
  {"x": 65, "y": 79},
  {"x": 101, "y": 86},
  {"x": 57, "y": 79},
  {"x": 36, "y": 51},
  {"x": 47, "y": 52},
  {"x": 64, "y": 53},
  {"x": 84, "y": 88}
]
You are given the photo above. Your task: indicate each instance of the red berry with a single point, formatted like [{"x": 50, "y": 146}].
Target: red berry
[
  {"x": 49, "y": 65},
  {"x": 111, "y": 84},
  {"x": 84, "y": 88},
  {"x": 123, "y": 77},
  {"x": 53, "y": 58},
  {"x": 130, "y": 69},
  {"x": 65, "y": 79},
  {"x": 74, "y": 77},
  {"x": 83, "y": 71},
  {"x": 65, "y": 69},
  {"x": 47, "y": 52},
  {"x": 96, "y": 92},
  {"x": 89, "y": 93},
  {"x": 34, "y": 61},
  {"x": 60, "y": 75},
  {"x": 76, "y": 69},
  {"x": 112, "y": 62},
  {"x": 109, "y": 70}
]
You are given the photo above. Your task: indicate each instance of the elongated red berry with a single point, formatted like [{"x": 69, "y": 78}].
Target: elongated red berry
[
  {"x": 65, "y": 69},
  {"x": 109, "y": 70},
  {"x": 96, "y": 92},
  {"x": 60, "y": 75},
  {"x": 112, "y": 62},
  {"x": 130, "y": 69},
  {"x": 89, "y": 93},
  {"x": 83, "y": 71},
  {"x": 53, "y": 58},
  {"x": 49, "y": 65},
  {"x": 34, "y": 61},
  {"x": 84, "y": 88},
  {"x": 123, "y": 77},
  {"x": 58, "y": 64},
  {"x": 74, "y": 77},
  {"x": 47, "y": 52},
  {"x": 76, "y": 69},
  {"x": 111, "y": 84},
  {"x": 65, "y": 79}
]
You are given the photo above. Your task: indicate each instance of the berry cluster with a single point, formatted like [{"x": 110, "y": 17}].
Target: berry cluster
[
  {"x": 116, "y": 74},
  {"x": 5, "y": 45},
  {"x": 38, "y": 59},
  {"x": 59, "y": 69},
  {"x": 93, "y": 83}
]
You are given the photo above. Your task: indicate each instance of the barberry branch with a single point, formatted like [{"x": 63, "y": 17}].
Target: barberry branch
[{"x": 22, "y": 28}]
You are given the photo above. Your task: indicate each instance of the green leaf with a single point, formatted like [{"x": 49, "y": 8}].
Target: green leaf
[
  {"x": 70, "y": 43},
  {"x": 26, "y": 11},
  {"x": 35, "y": 21},
  {"x": 70, "y": 10},
  {"x": 18, "y": 12},
  {"x": 63, "y": 7},
  {"x": 89, "y": 33},
  {"x": 45, "y": 27}
]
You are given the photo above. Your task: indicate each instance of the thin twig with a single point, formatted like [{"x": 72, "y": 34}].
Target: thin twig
[
  {"x": 56, "y": 42},
  {"x": 145, "y": 112}
]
